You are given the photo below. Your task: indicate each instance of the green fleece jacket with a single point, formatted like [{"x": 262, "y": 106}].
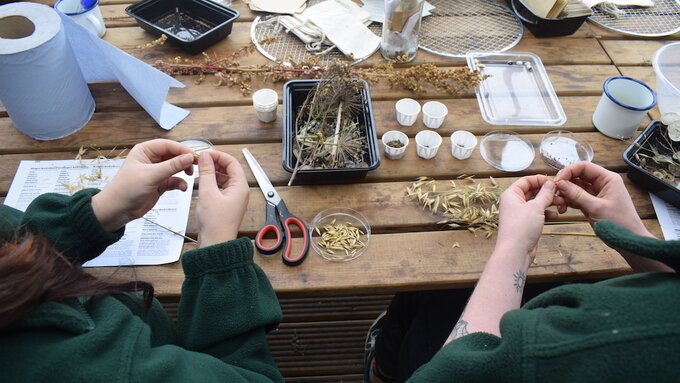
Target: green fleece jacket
[
  {"x": 226, "y": 307},
  {"x": 625, "y": 329}
]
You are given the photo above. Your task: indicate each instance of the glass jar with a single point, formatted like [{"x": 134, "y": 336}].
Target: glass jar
[{"x": 400, "y": 30}]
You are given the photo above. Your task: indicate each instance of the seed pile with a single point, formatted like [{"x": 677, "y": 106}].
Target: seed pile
[
  {"x": 340, "y": 238},
  {"x": 464, "y": 203}
]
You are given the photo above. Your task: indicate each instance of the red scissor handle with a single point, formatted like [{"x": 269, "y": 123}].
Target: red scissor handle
[
  {"x": 260, "y": 236},
  {"x": 286, "y": 256}
]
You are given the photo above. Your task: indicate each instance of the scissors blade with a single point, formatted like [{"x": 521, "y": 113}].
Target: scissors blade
[{"x": 266, "y": 186}]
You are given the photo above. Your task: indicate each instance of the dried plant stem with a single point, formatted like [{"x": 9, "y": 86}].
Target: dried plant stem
[
  {"x": 170, "y": 230},
  {"x": 334, "y": 150}
]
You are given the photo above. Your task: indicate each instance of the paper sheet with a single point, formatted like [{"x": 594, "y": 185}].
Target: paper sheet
[
  {"x": 278, "y": 6},
  {"x": 143, "y": 243},
  {"x": 668, "y": 216},
  {"x": 620, "y": 3},
  {"x": 342, "y": 22},
  {"x": 101, "y": 61}
]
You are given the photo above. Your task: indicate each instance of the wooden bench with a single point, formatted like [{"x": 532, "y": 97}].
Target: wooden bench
[{"x": 320, "y": 339}]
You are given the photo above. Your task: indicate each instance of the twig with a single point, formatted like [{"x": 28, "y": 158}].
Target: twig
[
  {"x": 334, "y": 150},
  {"x": 170, "y": 230},
  {"x": 567, "y": 233}
]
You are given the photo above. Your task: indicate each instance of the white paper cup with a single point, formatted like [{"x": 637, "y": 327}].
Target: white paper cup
[
  {"x": 427, "y": 144},
  {"x": 434, "y": 113},
  {"x": 407, "y": 111},
  {"x": 91, "y": 19},
  {"x": 462, "y": 144},
  {"x": 392, "y": 152},
  {"x": 265, "y": 102},
  {"x": 623, "y": 105}
]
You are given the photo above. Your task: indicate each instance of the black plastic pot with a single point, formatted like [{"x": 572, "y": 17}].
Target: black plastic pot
[
  {"x": 209, "y": 22},
  {"x": 651, "y": 137},
  {"x": 542, "y": 27},
  {"x": 294, "y": 94}
]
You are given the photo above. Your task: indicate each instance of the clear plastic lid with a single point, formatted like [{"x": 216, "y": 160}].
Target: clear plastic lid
[
  {"x": 561, "y": 148},
  {"x": 506, "y": 151},
  {"x": 517, "y": 91}
]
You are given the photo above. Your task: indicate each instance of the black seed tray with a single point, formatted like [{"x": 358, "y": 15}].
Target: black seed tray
[{"x": 294, "y": 94}]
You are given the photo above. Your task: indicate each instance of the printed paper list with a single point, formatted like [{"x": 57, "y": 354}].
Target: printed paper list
[{"x": 144, "y": 243}]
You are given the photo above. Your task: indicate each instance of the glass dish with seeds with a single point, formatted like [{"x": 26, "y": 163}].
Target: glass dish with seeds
[{"x": 340, "y": 234}]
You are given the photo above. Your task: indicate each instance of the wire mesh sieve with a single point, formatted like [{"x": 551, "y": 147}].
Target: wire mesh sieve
[
  {"x": 457, "y": 27},
  {"x": 662, "y": 19}
]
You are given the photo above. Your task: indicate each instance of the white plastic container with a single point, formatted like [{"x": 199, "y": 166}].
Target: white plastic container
[
  {"x": 427, "y": 144},
  {"x": 666, "y": 63},
  {"x": 434, "y": 113},
  {"x": 392, "y": 152},
  {"x": 407, "y": 111},
  {"x": 624, "y": 103},
  {"x": 265, "y": 102},
  {"x": 463, "y": 143}
]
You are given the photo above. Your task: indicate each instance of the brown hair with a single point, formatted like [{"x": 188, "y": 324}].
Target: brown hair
[{"x": 33, "y": 272}]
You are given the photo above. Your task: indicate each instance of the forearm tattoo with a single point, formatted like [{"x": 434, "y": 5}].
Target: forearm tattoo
[
  {"x": 459, "y": 330},
  {"x": 519, "y": 280}
]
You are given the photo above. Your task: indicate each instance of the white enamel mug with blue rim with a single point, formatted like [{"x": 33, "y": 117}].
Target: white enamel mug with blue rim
[
  {"x": 86, "y": 13},
  {"x": 623, "y": 105}
]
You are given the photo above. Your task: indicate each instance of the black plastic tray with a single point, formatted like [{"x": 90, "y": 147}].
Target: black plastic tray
[
  {"x": 211, "y": 21},
  {"x": 294, "y": 94},
  {"x": 542, "y": 27},
  {"x": 652, "y": 136}
]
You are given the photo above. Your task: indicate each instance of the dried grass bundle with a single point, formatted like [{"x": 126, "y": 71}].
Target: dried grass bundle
[{"x": 463, "y": 203}]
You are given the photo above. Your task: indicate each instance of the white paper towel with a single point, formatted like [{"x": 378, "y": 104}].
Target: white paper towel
[{"x": 43, "y": 81}]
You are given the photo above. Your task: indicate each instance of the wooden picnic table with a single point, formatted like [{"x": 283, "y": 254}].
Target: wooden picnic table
[{"x": 408, "y": 249}]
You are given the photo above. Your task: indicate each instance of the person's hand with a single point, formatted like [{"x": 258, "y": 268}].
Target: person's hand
[
  {"x": 600, "y": 194},
  {"x": 222, "y": 197},
  {"x": 522, "y": 214},
  {"x": 144, "y": 176}
]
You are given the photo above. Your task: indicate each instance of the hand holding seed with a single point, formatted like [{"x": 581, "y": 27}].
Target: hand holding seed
[
  {"x": 222, "y": 197},
  {"x": 600, "y": 194},
  {"x": 144, "y": 176},
  {"x": 523, "y": 211}
]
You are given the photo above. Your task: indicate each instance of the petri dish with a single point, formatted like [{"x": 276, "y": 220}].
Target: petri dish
[
  {"x": 561, "y": 148},
  {"x": 517, "y": 91},
  {"x": 340, "y": 216},
  {"x": 506, "y": 151}
]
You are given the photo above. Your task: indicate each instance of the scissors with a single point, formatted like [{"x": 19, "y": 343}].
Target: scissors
[{"x": 278, "y": 221}]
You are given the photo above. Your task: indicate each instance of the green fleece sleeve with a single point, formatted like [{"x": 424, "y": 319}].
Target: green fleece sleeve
[
  {"x": 70, "y": 224},
  {"x": 478, "y": 357},
  {"x": 226, "y": 308},
  {"x": 10, "y": 220}
]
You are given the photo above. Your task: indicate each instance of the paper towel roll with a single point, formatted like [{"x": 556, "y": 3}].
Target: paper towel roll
[{"x": 41, "y": 84}]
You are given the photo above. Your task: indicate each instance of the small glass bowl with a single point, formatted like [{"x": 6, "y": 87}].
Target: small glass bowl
[
  {"x": 560, "y": 148},
  {"x": 339, "y": 216}
]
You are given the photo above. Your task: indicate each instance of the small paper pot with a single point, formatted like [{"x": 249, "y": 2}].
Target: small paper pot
[
  {"x": 265, "y": 102},
  {"x": 623, "y": 105},
  {"x": 427, "y": 144},
  {"x": 462, "y": 144},
  {"x": 392, "y": 152},
  {"x": 434, "y": 113},
  {"x": 407, "y": 111}
]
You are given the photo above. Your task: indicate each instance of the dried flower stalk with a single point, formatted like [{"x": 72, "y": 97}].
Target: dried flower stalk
[{"x": 230, "y": 72}]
